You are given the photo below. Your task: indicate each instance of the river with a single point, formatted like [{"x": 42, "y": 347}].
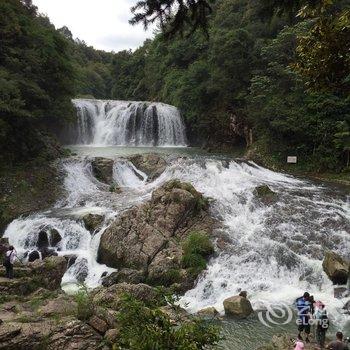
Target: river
[{"x": 274, "y": 252}]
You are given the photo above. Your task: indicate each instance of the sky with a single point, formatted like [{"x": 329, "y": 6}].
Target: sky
[{"x": 102, "y": 23}]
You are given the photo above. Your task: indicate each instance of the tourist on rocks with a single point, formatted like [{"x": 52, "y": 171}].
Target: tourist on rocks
[
  {"x": 322, "y": 323},
  {"x": 9, "y": 260},
  {"x": 338, "y": 344},
  {"x": 304, "y": 314},
  {"x": 299, "y": 345}
]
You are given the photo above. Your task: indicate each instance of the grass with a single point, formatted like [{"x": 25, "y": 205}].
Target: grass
[
  {"x": 85, "y": 305},
  {"x": 196, "y": 249}
]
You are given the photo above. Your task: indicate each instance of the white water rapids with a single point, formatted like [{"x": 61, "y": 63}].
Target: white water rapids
[
  {"x": 125, "y": 123},
  {"x": 274, "y": 252}
]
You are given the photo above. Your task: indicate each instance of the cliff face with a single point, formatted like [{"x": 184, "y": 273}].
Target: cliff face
[{"x": 26, "y": 189}]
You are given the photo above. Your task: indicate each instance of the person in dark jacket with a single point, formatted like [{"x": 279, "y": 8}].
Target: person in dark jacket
[
  {"x": 10, "y": 257},
  {"x": 304, "y": 312}
]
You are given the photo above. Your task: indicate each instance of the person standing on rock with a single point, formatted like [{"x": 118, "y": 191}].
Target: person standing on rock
[
  {"x": 338, "y": 344},
  {"x": 304, "y": 310},
  {"x": 10, "y": 257},
  {"x": 322, "y": 323}
]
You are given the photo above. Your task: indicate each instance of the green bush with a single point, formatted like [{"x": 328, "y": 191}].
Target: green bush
[
  {"x": 196, "y": 249},
  {"x": 144, "y": 328},
  {"x": 85, "y": 305}
]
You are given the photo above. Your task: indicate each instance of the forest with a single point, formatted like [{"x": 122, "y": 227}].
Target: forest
[{"x": 274, "y": 80}]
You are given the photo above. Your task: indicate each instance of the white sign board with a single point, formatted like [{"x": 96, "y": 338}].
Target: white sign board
[{"x": 292, "y": 159}]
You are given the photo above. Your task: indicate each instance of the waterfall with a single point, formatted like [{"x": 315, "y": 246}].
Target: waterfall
[
  {"x": 274, "y": 252},
  {"x": 125, "y": 123}
]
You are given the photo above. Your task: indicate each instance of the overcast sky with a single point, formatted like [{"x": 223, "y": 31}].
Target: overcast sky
[{"x": 102, "y": 24}]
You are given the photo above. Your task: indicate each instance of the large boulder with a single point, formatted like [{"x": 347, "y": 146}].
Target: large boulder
[
  {"x": 238, "y": 306},
  {"x": 336, "y": 268},
  {"x": 151, "y": 164},
  {"x": 102, "y": 169},
  {"x": 209, "y": 311},
  {"x": 48, "y": 273},
  {"x": 111, "y": 296},
  {"x": 149, "y": 237},
  {"x": 92, "y": 222}
]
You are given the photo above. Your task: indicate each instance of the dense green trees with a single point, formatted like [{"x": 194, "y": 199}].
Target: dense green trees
[
  {"x": 36, "y": 80},
  {"x": 264, "y": 76}
]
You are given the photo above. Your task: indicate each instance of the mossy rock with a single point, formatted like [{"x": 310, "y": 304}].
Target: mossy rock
[{"x": 265, "y": 194}]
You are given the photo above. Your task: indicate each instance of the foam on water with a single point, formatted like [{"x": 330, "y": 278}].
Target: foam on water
[
  {"x": 109, "y": 122},
  {"x": 274, "y": 252}
]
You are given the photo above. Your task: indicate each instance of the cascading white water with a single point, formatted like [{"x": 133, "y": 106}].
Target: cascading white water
[
  {"x": 274, "y": 252},
  {"x": 126, "y": 123}
]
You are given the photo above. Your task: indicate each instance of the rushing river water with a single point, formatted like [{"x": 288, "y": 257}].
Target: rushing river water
[{"x": 274, "y": 252}]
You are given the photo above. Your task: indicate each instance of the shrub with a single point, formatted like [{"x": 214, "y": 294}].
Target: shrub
[
  {"x": 144, "y": 328},
  {"x": 196, "y": 248},
  {"x": 85, "y": 305}
]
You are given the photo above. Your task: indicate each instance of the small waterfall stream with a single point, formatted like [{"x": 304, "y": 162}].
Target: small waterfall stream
[
  {"x": 274, "y": 252},
  {"x": 126, "y": 123}
]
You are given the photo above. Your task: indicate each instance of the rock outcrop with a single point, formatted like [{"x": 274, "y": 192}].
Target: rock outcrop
[
  {"x": 45, "y": 273},
  {"x": 208, "y": 312},
  {"x": 25, "y": 190},
  {"x": 92, "y": 222},
  {"x": 102, "y": 169},
  {"x": 111, "y": 296},
  {"x": 336, "y": 268},
  {"x": 238, "y": 306},
  {"x": 149, "y": 238},
  {"x": 123, "y": 275},
  {"x": 151, "y": 164},
  {"x": 265, "y": 194}
]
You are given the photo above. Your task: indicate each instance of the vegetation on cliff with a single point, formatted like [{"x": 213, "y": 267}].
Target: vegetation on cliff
[{"x": 272, "y": 76}]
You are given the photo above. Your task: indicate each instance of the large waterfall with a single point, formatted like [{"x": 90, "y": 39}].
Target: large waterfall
[{"x": 125, "y": 123}]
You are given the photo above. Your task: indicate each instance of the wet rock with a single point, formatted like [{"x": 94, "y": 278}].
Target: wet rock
[
  {"x": 34, "y": 255},
  {"x": 347, "y": 307},
  {"x": 111, "y": 296},
  {"x": 93, "y": 222},
  {"x": 98, "y": 324},
  {"x": 151, "y": 164},
  {"x": 238, "y": 306},
  {"x": 80, "y": 270},
  {"x": 43, "y": 240},
  {"x": 336, "y": 268},
  {"x": 149, "y": 238},
  {"x": 46, "y": 252},
  {"x": 265, "y": 194},
  {"x": 71, "y": 259},
  {"x": 208, "y": 312},
  {"x": 102, "y": 169},
  {"x": 124, "y": 275},
  {"x": 55, "y": 237},
  {"x": 341, "y": 292}
]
